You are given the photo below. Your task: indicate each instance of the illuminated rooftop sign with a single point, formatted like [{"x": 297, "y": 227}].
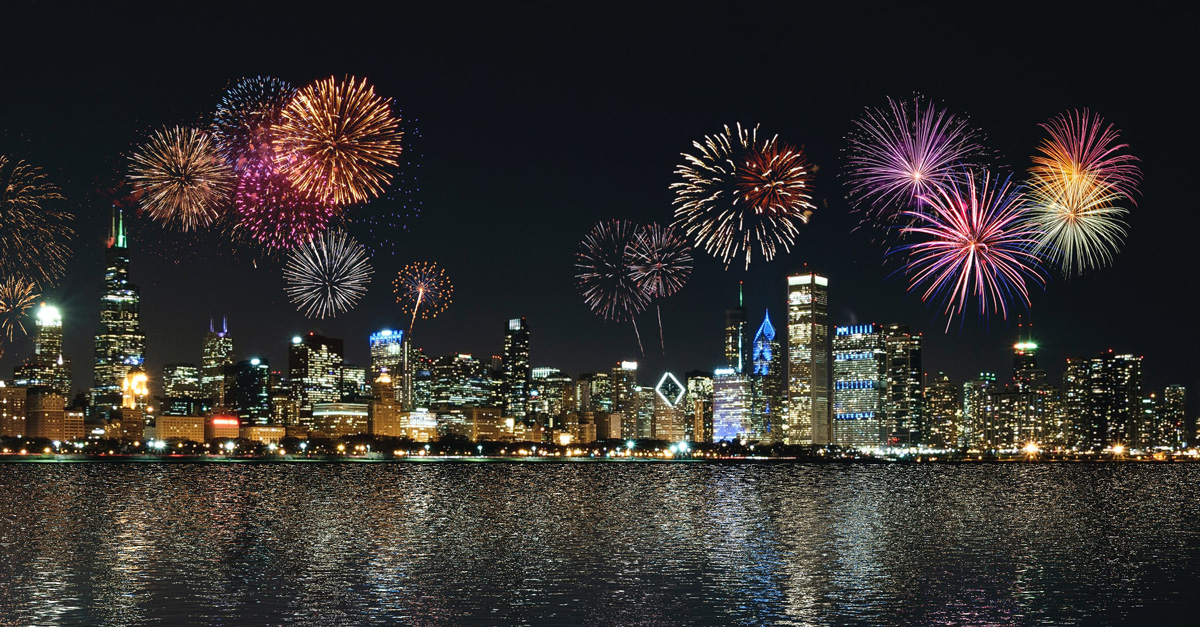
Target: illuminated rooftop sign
[{"x": 669, "y": 386}]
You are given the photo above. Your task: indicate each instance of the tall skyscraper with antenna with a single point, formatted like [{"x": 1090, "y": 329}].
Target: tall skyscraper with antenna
[
  {"x": 120, "y": 344},
  {"x": 735, "y": 335},
  {"x": 218, "y": 353}
]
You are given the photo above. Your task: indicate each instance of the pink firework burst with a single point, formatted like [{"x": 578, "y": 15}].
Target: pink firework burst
[{"x": 973, "y": 239}]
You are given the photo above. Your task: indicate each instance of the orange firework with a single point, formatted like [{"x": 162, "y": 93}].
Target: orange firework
[
  {"x": 181, "y": 178},
  {"x": 422, "y": 288},
  {"x": 338, "y": 141}
]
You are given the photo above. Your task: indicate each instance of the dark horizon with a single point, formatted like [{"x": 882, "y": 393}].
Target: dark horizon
[{"x": 534, "y": 125}]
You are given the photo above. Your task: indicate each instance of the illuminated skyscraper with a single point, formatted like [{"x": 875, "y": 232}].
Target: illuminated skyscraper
[
  {"x": 808, "y": 416},
  {"x": 595, "y": 392},
  {"x": 859, "y": 386},
  {"x": 904, "y": 420},
  {"x": 942, "y": 410},
  {"x": 1173, "y": 412},
  {"x": 515, "y": 369},
  {"x": 1113, "y": 401},
  {"x": 460, "y": 381},
  {"x": 699, "y": 425},
  {"x": 389, "y": 352},
  {"x": 731, "y": 404},
  {"x": 977, "y": 428},
  {"x": 218, "y": 353},
  {"x": 247, "y": 393},
  {"x": 48, "y": 367},
  {"x": 182, "y": 391},
  {"x": 120, "y": 344},
  {"x": 768, "y": 384},
  {"x": 735, "y": 336},
  {"x": 315, "y": 372},
  {"x": 669, "y": 409}
]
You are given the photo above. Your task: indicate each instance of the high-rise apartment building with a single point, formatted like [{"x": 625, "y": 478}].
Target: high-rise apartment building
[
  {"x": 515, "y": 369},
  {"x": 977, "y": 428},
  {"x": 1114, "y": 399},
  {"x": 809, "y": 356},
  {"x": 218, "y": 353},
  {"x": 860, "y": 375},
  {"x": 904, "y": 423},
  {"x": 120, "y": 344},
  {"x": 942, "y": 409},
  {"x": 1173, "y": 413}
]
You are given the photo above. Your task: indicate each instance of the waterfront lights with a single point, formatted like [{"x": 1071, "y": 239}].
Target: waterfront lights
[{"x": 1032, "y": 448}]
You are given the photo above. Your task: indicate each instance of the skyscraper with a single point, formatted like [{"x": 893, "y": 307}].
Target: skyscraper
[
  {"x": 809, "y": 359},
  {"x": 767, "y": 381},
  {"x": 120, "y": 344},
  {"x": 731, "y": 405},
  {"x": 460, "y": 381},
  {"x": 941, "y": 410},
  {"x": 977, "y": 429},
  {"x": 218, "y": 353},
  {"x": 1113, "y": 401},
  {"x": 735, "y": 336},
  {"x": 389, "y": 352},
  {"x": 515, "y": 369},
  {"x": 859, "y": 386},
  {"x": 247, "y": 392},
  {"x": 1174, "y": 405},
  {"x": 315, "y": 372},
  {"x": 904, "y": 416},
  {"x": 48, "y": 367},
  {"x": 699, "y": 426}
]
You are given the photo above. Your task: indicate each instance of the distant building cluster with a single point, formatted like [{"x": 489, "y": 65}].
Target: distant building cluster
[{"x": 811, "y": 383}]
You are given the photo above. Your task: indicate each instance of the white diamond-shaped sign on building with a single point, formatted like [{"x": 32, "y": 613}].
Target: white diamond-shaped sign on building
[{"x": 670, "y": 389}]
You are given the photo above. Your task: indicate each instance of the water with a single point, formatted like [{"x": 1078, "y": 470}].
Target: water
[{"x": 446, "y": 543}]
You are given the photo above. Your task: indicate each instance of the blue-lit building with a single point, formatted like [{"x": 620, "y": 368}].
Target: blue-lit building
[
  {"x": 859, "y": 386},
  {"x": 732, "y": 396},
  {"x": 768, "y": 381}
]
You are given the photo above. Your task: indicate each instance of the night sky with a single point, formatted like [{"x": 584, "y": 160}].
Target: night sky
[{"x": 537, "y": 122}]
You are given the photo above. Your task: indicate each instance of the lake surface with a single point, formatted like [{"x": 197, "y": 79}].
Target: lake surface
[{"x": 459, "y": 543}]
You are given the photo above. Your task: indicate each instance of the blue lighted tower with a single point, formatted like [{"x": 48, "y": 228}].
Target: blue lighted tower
[
  {"x": 768, "y": 384},
  {"x": 120, "y": 344}
]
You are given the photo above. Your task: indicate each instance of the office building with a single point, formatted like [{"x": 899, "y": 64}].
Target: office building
[
  {"x": 247, "y": 391},
  {"x": 942, "y": 411},
  {"x": 515, "y": 372},
  {"x": 859, "y": 386},
  {"x": 735, "y": 336},
  {"x": 314, "y": 372},
  {"x": 809, "y": 359},
  {"x": 731, "y": 405},
  {"x": 12, "y": 410},
  {"x": 460, "y": 381},
  {"x": 768, "y": 380},
  {"x": 699, "y": 425}
]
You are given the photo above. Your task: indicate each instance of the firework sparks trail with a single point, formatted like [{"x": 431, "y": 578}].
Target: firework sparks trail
[
  {"x": 244, "y": 120},
  {"x": 604, "y": 275},
  {"x": 338, "y": 141},
  {"x": 327, "y": 275},
  {"x": 17, "y": 296},
  {"x": 660, "y": 262},
  {"x": 909, "y": 150},
  {"x": 739, "y": 193},
  {"x": 422, "y": 289},
  {"x": 180, "y": 178},
  {"x": 1078, "y": 182},
  {"x": 973, "y": 238},
  {"x": 35, "y": 234}
]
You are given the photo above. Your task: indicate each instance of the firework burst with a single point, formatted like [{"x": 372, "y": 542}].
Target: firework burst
[
  {"x": 909, "y": 150},
  {"x": 740, "y": 193},
  {"x": 974, "y": 239},
  {"x": 17, "y": 295},
  {"x": 605, "y": 276},
  {"x": 180, "y": 178},
  {"x": 275, "y": 215},
  {"x": 1077, "y": 184},
  {"x": 242, "y": 124},
  {"x": 34, "y": 234},
  {"x": 660, "y": 262},
  {"x": 338, "y": 141},
  {"x": 327, "y": 275},
  {"x": 422, "y": 289}
]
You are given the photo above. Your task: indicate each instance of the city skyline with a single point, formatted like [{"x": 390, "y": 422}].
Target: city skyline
[{"x": 536, "y": 190}]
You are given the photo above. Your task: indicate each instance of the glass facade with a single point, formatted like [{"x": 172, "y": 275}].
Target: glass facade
[{"x": 808, "y": 417}]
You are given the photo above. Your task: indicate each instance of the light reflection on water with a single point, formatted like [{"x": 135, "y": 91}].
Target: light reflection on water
[{"x": 587, "y": 544}]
